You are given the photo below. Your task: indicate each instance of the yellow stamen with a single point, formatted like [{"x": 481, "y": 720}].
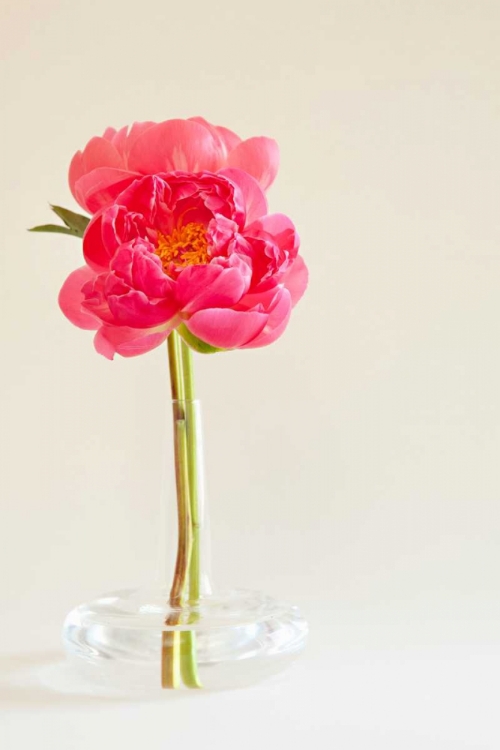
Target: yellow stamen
[{"x": 186, "y": 246}]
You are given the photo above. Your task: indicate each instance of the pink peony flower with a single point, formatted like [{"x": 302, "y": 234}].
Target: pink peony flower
[
  {"x": 180, "y": 241},
  {"x": 108, "y": 164}
]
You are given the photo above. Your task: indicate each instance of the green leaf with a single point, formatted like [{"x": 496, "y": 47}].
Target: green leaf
[
  {"x": 195, "y": 343},
  {"x": 56, "y": 228},
  {"x": 77, "y": 222}
]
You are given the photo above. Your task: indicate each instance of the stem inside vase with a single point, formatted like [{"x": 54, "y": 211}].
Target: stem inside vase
[{"x": 178, "y": 654}]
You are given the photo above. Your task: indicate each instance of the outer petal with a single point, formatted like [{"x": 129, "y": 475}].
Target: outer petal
[
  {"x": 110, "y": 134},
  {"x": 99, "y": 188},
  {"x": 273, "y": 245},
  {"x": 230, "y": 139},
  {"x": 71, "y": 298},
  {"x": 279, "y": 316},
  {"x": 76, "y": 170},
  {"x": 280, "y": 228},
  {"x": 99, "y": 152},
  {"x": 129, "y": 342},
  {"x": 296, "y": 278},
  {"x": 95, "y": 301},
  {"x": 175, "y": 145},
  {"x": 226, "y": 329},
  {"x": 257, "y": 156},
  {"x": 224, "y": 137},
  {"x": 278, "y": 225},
  {"x": 128, "y": 136},
  {"x": 213, "y": 285},
  {"x": 254, "y": 200}
]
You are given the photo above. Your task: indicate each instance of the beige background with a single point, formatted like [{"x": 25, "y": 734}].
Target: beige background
[{"x": 353, "y": 466}]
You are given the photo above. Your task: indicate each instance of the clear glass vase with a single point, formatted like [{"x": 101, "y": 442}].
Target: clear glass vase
[{"x": 181, "y": 633}]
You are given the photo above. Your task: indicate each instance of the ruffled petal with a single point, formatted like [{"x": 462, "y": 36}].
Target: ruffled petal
[
  {"x": 142, "y": 269},
  {"x": 254, "y": 200},
  {"x": 279, "y": 315},
  {"x": 226, "y": 329},
  {"x": 175, "y": 145},
  {"x": 71, "y": 298},
  {"x": 99, "y": 188},
  {"x": 273, "y": 245},
  {"x": 95, "y": 252},
  {"x": 215, "y": 285},
  {"x": 136, "y": 310},
  {"x": 277, "y": 225},
  {"x": 128, "y": 342},
  {"x": 296, "y": 279},
  {"x": 259, "y": 157},
  {"x": 117, "y": 227},
  {"x": 95, "y": 301},
  {"x": 146, "y": 196}
]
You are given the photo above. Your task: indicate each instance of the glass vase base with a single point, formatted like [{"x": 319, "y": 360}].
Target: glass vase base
[{"x": 130, "y": 642}]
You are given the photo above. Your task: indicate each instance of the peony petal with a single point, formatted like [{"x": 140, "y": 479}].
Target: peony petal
[
  {"x": 115, "y": 229},
  {"x": 95, "y": 252},
  {"x": 136, "y": 310},
  {"x": 274, "y": 224},
  {"x": 175, "y": 145},
  {"x": 142, "y": 269},
  {"x": 98, "y": 153},
  {"x": 213, "y": 285},
  {"x": 95, "y": 301},
  {"x": 273, "y": 247},
  {"x": 254, "y": 200},
  {"x": 99, "y": 188},
  {"x": 134, "y": 131},
  {"x": 110, "y": 134},
  {"x": 146, "y": 196},
  {"x": 225, "y": 138},
  {"x": 230, "y": 139},
  {"x": 76, "y": 170},
  {"x": 277, "y": 321},
  {"x": 257, "y": 156},
  {"x": 296, "y": 279},
  {"x": 127, "y": 136},
  {"x": 226, "y": 329},
  {"x": 71, "y": 298},
  {"x": 128, "y": 342}
]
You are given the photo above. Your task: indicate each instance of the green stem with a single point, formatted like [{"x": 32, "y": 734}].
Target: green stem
[
  {"x": 171, "y": 642},
  {"x": 180, "y": 585},
  {"x": 179, "y": 648},
  {"x": 188, "y": 663},
  {"x": 175, "y": 366},
  {"x": 192, "y": 438}
]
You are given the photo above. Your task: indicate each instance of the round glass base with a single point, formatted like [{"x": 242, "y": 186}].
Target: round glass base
[{"x": 119, "y": 643}]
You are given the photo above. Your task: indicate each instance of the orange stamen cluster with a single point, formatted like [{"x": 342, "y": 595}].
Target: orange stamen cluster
[{"x": 186, "y": 246}]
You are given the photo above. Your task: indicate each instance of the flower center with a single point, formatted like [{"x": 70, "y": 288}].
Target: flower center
[{"x": 186, "y": 246}]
